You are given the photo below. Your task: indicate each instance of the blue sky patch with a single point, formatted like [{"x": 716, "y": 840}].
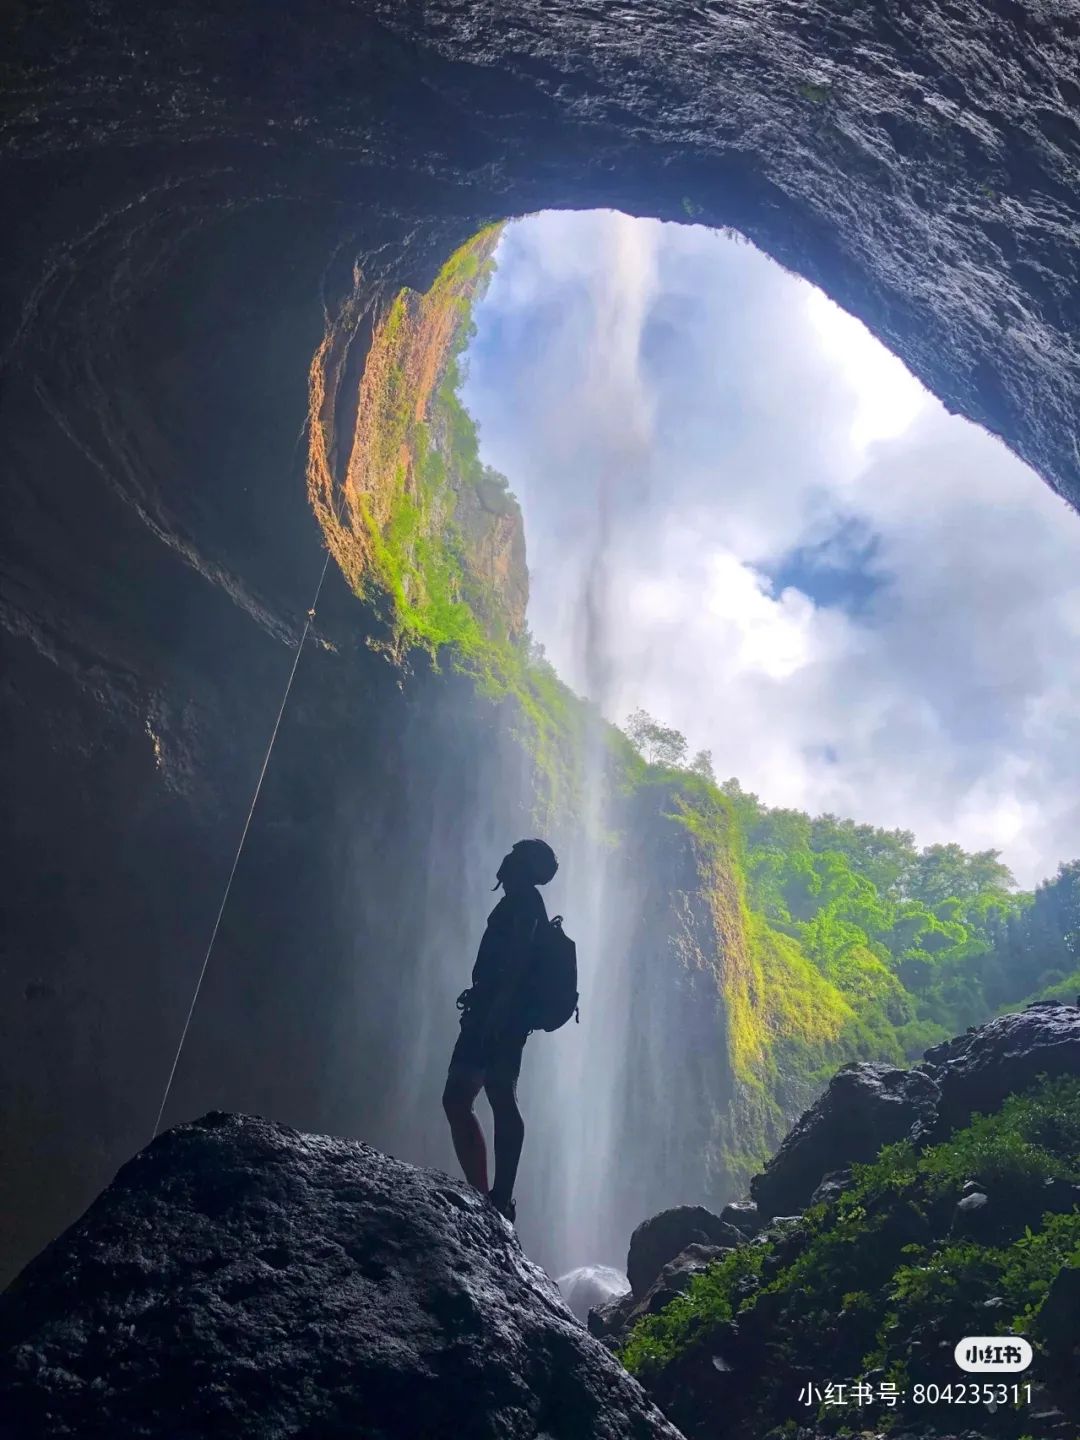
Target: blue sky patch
[{"x": 838, "y": 572}]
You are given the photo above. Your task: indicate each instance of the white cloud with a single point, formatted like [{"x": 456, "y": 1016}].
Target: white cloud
[
  {"x": 888, "y": 398},
  {"x": 677, "y": 416}
]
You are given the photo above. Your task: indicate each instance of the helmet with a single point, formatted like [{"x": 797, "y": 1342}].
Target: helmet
[{"x": 536, "y": 860}]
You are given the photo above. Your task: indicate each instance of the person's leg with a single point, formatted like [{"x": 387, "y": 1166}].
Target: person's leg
[
  {"x": 501, "y": 1091},
  {"x": 462, "y": 1087}
]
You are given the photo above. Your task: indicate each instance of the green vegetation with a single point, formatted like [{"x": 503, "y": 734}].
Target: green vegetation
[
  {"x": 426, "y": 531},
  {"x": 840, "y": 941},
  {"x": 870, "y": 1285}
]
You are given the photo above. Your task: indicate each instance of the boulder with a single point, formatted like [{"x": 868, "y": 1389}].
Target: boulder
[
  {"x": 832, "y": 1186},
  {"x": 743, "y": 1214},
  {"x": 241, "y": 1279},
  {"x": 608, "y": 1322},
  {"x": 973, "y": 1217},
  {"x": 866, "y": 1106},
  {"x": 658, "y": 1240},
  {"x": 613, "y": 1322},
  {"x": 674, "y": 1279},
  {"x": 1059, "y": 1338},
  {"x": 975, "y": 1072}
]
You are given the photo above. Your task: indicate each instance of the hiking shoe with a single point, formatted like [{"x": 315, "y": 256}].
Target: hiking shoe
[{"x": 506, "y": 1208}]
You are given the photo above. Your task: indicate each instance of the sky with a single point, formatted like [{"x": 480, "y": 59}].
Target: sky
[{"x": 744, "y": 515}]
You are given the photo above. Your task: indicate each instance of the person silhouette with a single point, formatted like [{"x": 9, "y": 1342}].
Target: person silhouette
[{"x": 489, "y": 1048}]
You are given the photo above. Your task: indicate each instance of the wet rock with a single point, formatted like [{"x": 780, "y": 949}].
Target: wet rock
[
  {"x": 788, "y": 1236},
  {"x": 865, "y": 1107},
  {"x": 973, "y": 1217},
  {"x": 743, "y": 1214},
  {"x": 674, "y": 1279},
  {"x": 607, "y": 1322},
  {"x": 661, "y": 1238},
  {"x": 241, "y": 1279},
  {"x": 831, "y": 1188},
  {"x": 975, "y": 1072},
  {"x": 1059, "y": 1339}
]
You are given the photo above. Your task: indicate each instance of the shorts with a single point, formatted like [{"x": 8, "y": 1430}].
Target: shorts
[{"x": 497, "y": 1056}]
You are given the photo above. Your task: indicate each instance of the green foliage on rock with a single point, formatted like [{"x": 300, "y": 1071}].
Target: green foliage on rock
[
  {"x": 873, "y": 1283},
  {"x": 841, "y": 941},
  {"x": 446, "y": 555}
]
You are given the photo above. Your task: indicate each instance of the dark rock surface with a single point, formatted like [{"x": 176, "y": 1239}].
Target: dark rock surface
[
  {"x": 676, "y": 1275},
  {"x": 188, "y": 193},
  {"x": 608, "y": 1322},
  {"x": 612, "y": 1322},
  {"x": 239, "y": 1278},
  {"x": 831, "y": 1187},
  {"x": 703, "y": 1381},
  {"x": 867, "y": 1105},
  {"x": 1061, "y": 1322},
  {"x": 977, "y": 1070},
  {"x": 973, "y": 1217},
  {"x": 743, "y": 1215},
  {"x": 662, "y": 1237}
]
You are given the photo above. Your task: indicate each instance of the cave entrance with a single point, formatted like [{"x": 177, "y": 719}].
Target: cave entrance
[
  {"x": 699, "y": 487},
  {"x": 742, "y": 513}
]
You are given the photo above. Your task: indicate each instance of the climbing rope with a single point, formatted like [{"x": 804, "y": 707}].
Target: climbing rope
[{"x": 243, "y": 837}]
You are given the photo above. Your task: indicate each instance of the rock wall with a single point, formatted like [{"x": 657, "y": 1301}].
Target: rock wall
[{"x": 187, "y": 194}]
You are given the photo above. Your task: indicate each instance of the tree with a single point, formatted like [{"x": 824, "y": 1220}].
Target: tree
[
  {"x": 885, "y": 857},
  {"x": 1057, "y": 907},
  {"x": 656, "y": 743},
  {"x": 702, "y": 765},
  {"x": 946, "y": 870}
]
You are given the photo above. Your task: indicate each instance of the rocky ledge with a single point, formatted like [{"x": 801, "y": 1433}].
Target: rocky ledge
[
  {"x": 239, "y": 1278},
  {"x": 827, "y": 1267}
]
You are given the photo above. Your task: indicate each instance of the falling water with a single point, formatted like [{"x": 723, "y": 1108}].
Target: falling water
[
  {"x": 583, "y": 1138},
  {"x": 571, "y": 1212},
  {"x": 580, "y": 1073},
  {"x": 590, "y": 1286}
]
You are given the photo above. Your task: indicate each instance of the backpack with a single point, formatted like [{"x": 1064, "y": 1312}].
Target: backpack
[{"x": 551, "y": 996}]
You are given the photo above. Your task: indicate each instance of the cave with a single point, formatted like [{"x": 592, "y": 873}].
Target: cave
[{"x": 200, "y": 200}]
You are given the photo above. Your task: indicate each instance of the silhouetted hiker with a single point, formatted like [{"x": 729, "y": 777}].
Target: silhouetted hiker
[{"x": 494, "y": 1026}]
